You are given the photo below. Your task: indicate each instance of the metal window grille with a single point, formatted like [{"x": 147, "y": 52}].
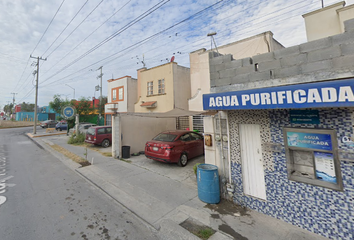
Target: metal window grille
[
  {"x": 182, "y": 123},
  {"x": 161, "y": 86},
  {"x": 198, "y": 123},
  {"x": 120, "y": 93},
  {"x": 150, "y": 88},
  {"x": 114, "y": 93},
  {"x": 108, "y": 119}
]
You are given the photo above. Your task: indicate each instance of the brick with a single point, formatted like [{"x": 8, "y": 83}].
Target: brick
[
  {"x": 244, "y": 70},
  {"x": 216, "y": 60},
  {"x": 257, "y": 76},
  {"x": 293, "y": 60},
  {"x": 212, "y": 68},
  {"x": 343, "y": 62},
  {"x": 227, "y": 73},
  {"x": 265, "y": 57},
  {"x": 227, "y": 58},
  {"x": 219, "y": 67},
  {"x": 347, "y": 49},
  {"x": 241, "y": 78},
  {"x": 349, "y": 25},
  {"x": 286, "y": 52},
  {"x": 287, "y": 72},
  {"x": 214, "y": 76},
  {"x": 212, "y": 83},
  {"x": 223, "y": 82},
  {"x": 346, "y": 37},
  {"x": 234, "y": 64},
  {"x": 316, "y": 66},
  {"x": 246, "y": 62},
  {"x": 266, "y": 66},
  {"x": 324, "y": 54},
  {"x": 316, "y": 44}
]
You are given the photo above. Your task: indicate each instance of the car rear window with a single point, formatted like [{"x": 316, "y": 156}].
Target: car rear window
[
  {"x": 165, "y": 137},
  {"x": 91, "y": 131}
]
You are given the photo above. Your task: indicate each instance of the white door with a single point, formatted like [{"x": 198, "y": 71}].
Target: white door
[{"x": 252, "y": 162}]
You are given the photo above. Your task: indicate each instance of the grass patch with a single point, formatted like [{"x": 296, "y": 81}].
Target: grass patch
[
  {"x": 124, "y": 160},
  {"x": 70, "y": 155},
  {"x": 78, "y": 139},
  {"x": 197, "y": 228},
  {"x": 107, "y": 154}
]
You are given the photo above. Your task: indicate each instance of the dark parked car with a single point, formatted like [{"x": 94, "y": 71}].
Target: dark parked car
[
  {"x": 61, "y": 126},
  {"x": 48, "y": 124},
  {"x": 99, "y": 135},
  {"x": 175, "y": 147}
]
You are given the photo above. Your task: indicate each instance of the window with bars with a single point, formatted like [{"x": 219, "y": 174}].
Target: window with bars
[
  {"x": 114, "y": 94},
  {"x": 150, "y": 88},
  {"x": 198, "y": 123},
  {"x": 161, "y": 86}
]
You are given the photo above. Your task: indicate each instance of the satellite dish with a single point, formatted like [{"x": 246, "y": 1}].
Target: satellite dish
[{"x": 172, "y": 58}]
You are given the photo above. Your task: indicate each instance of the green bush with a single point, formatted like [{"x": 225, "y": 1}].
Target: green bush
[
  {"x": 77, "y": 139},
  {"x": 195, "y": 168}
]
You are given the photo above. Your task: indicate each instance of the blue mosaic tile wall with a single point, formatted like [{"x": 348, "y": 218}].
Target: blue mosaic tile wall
[{"x": 320, "y": 210}]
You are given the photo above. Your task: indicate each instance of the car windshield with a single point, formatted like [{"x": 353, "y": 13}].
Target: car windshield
[
  {"x": 91, "y": 131},
  {"x": 165, "y": 137}
]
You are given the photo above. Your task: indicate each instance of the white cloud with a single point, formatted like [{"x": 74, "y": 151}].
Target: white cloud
[{"x": 24, "y": 22}]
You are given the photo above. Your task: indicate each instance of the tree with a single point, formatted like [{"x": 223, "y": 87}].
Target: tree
[
  {"x": 9, "y": 108},
  {"x": 58, "y": 103},
  {"x": 27, "y": 107},
  {"x": 101, "y": 105},
  {"x": 84, "y": 106}
]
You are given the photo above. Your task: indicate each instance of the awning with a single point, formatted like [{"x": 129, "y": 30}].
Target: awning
[
  {"x": 149, "y": 104},
  {"x": 177, "y": 112}
]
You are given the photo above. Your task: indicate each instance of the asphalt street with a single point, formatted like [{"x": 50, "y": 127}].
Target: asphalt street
[{"x": 40, "y": 198}]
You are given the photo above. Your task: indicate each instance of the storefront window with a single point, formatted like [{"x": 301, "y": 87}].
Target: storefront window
[{"x": 312, "y": 157}]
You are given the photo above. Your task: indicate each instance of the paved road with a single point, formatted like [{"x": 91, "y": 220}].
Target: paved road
[{"x": 40, "y": 198}]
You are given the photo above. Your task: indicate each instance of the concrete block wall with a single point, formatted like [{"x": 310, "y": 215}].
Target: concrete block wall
[{"x": 319, "y": 60}]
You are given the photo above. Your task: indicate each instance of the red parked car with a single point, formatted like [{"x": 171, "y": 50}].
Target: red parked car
[
  {"x": 175, "y": 147},
  {"x": 99, "y": 135}
]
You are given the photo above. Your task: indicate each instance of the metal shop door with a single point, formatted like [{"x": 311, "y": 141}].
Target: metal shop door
[{"x": 252, "y": 163}]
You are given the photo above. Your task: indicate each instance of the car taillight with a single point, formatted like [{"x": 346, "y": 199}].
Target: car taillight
[
  {"x": 167, "y": 147},
  {"x": 146, "y": 144},
  {"x": 94, "y": 138}
]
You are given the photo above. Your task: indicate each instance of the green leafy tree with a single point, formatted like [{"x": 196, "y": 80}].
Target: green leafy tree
[
  {"x": 9, "y": 108},
  {"x": 84, "y": 106},
  {"x": 58, "y": 103},
  {"x": 27, "y": 107},
  {"x": 101, "y": 105}
]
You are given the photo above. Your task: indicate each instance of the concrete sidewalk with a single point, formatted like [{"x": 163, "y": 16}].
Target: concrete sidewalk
[{"x": 165, "y": 195}]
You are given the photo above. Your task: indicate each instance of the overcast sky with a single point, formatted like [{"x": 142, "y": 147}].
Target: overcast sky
[{"x": 77, "y": 37}]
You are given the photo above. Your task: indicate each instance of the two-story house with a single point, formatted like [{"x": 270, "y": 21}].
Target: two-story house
[
  {"x": 163, "y": 88},
  {"x": 118, "y": 97}
]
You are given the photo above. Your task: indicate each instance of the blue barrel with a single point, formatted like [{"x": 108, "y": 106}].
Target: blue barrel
[{"x": 208, "y": 183}]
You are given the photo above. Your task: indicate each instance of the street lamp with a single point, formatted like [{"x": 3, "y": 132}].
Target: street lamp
[{"x": 72, "y": 89}]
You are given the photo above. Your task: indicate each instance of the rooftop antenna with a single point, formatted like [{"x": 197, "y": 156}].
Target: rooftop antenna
[
  {"x": 322, "y": 4},
  {"x": 143, "y": 62},
  {"x": 212, "y": 40}
]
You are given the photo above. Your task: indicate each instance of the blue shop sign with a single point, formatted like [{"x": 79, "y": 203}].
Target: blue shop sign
[
  {"x": 309, "y": 140},
  {"x": 338, "y": 93}
]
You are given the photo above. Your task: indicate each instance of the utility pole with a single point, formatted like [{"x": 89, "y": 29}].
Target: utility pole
[
  {"x": 100, "y": 76},
  {"x": 35, "y": 102},
  {"x": 13, "y": 99}
]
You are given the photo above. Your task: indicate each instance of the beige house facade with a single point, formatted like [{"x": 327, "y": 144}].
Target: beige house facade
[
  {"x": 163, "y": 88},
  {"x": 327, "y": 21}
]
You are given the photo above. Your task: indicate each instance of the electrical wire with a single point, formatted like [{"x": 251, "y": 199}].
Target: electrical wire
[
  {"x": 65, "y": 27},
  {"x": 88, "y": 36},
  {"x": 142, "y": 16},
  {"x": 75, "y": 28},
  {"x": 50, "y": 23}
]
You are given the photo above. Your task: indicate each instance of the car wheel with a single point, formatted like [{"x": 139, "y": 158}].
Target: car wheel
[
  {"x": 105, "y": 143},
  {"x": 183, "y": 160}
]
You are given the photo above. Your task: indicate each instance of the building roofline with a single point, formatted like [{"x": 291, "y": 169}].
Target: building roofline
[
  {"x": 112, "y": 80},
  {"x": 324, "y": 9}
]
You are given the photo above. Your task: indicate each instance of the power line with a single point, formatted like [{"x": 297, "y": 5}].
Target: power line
[
  {"x": 48, "y": 26},
  {"x": 75, "y": 28},
  {"x": 89, "y": 35},
  {"x": 148, "y": 12},
  {"x": 65, "y": 27}
]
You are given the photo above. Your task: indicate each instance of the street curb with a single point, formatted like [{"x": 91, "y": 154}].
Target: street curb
[{"x": 35, "y": 142}]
